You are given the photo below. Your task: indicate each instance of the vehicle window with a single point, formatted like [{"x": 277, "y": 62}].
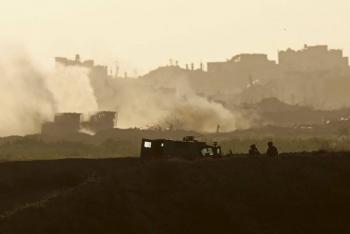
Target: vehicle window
[
  {"x": 207, "y": 152},
  {"x": 148, "y": 144}
]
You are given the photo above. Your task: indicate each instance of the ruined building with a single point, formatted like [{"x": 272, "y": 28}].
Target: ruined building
[
  {"x": 102, "y": 120},
  {"x": 242, "y": 68},
  {"x": 63, "y": 124},
  {"x": 90, "y": 64},
  {"x": 313, "y": 59},
  {"x": 66, "y": 124}
]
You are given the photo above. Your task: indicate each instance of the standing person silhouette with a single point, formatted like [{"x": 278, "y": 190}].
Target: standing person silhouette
[
  {"x": 253, "y": 151},
  {"x": 272, "y": 152}
]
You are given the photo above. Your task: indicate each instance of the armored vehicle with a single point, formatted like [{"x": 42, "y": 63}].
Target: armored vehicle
[{"x": 188, "y": 148}]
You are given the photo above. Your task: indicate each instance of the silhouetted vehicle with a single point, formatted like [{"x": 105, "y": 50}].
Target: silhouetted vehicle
[
  {"x": 253, "y": 151},
  {"x": 272, "y": 152},
  {"x": 188, "y": 148}
]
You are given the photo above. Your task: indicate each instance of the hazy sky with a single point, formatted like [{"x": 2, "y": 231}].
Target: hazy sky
[{"x": 145, "y": 33}]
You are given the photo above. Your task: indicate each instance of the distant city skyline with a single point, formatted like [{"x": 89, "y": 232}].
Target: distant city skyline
[{"x": 141, "y": 35}]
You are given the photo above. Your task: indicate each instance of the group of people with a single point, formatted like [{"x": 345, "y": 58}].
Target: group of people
[{"x": 271, "y": 152}]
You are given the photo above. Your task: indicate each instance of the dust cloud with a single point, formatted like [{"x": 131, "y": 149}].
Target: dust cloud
[
  {"x": 71, "y": 89},
  {"x": 143, "y": 104},
  {"x": 26, "y": 101},
  {"x": 30, "y": 96}
]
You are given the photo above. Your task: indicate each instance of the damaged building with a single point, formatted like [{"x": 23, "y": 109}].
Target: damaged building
[
  {"x": 241, "y": 69},
  {"x": 89, "y": 64},
  {"x": 313, "y": 59},
  {"x": 65, "y": 124},
  {"x": 100, "y": 121}
]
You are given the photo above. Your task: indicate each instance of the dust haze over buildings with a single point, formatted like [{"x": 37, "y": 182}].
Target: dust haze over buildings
[
  {"x": 192, "y": 98},
  {"x": 187, "y": 97}
]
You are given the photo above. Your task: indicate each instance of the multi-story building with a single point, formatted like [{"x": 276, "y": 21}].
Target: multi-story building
[
  {"x": 243, "y": 68},
  {"x": 313, "y": 59}
]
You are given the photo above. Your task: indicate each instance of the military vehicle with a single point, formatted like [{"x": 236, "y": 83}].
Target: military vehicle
[{"x": 188, "y": 148}]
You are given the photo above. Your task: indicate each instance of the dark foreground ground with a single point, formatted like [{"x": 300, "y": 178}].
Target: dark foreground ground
[{"x": 297, "y": 194}]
